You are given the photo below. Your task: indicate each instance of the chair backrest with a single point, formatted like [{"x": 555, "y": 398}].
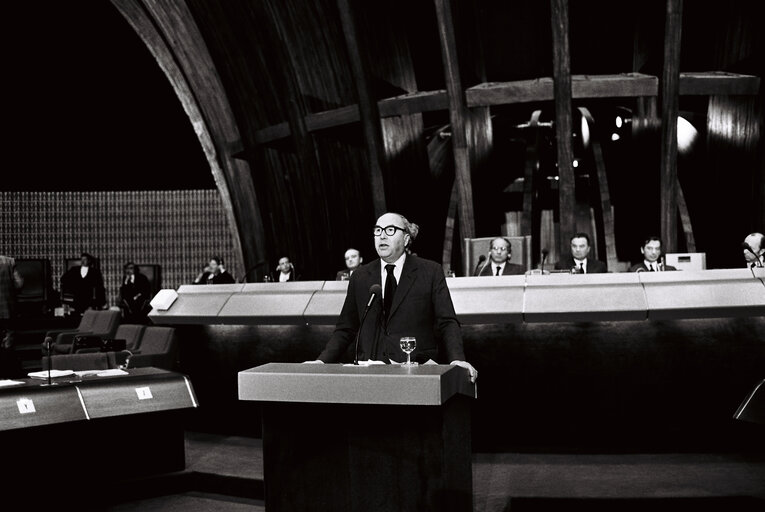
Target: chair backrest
[
  {"x": 475, "y": 247},
  {"x": 154, "y": 274},
  {"x": 88, "y": 320},
  {"x": 77, "y": 362},
  {"x": 157, "y": 340},
  {"x": 106, "y": 323},
  {"x": 132, "y": 334},
  {"x": 37, "y": 280}
]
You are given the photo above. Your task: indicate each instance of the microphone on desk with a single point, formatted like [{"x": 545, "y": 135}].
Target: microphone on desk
[
  {"x": 477, "y": 270},
  {"x": 374, "y": 291},
  {"x": 748, "y": 247},
  {"x": 545, "y": 252}
]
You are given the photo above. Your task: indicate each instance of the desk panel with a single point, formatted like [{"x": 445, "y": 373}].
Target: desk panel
[
  {"x": 481, "y": 300},
  {"x": 275, "y": 307},
  {"x": 703, "y": 294},
  {"x": 583, "y": 298},
  {"x": 34, "y": 406}
]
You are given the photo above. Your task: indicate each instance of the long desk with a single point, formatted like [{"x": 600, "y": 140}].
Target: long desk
[
  {"x": 531, "y": 298},
  {"x": 80, "y": 435},
  {"x": 343, "y": 437}
]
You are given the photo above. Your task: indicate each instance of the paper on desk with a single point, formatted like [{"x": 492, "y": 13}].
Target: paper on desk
[
  {"x": 83, "y": 373},
  {"x": 368, "y": 362},
  {"x": 53, "y": 373},
  {"x": 112, "y": 372},
  {"x": 8, "y": 382}
]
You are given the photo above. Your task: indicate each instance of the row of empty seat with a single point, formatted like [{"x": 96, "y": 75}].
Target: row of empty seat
[{"x": 145, "y": 345}]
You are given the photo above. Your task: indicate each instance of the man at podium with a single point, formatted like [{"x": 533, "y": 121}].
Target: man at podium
[{"x": 397, "y": 295}]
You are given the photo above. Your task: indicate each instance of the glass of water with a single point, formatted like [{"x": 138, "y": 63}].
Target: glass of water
[{"x": 408, "y": 344}]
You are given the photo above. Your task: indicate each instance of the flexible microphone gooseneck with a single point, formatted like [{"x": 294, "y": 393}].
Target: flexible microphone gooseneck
[
  {"x": 478, "y": 267},
  {"x": 545, "y": 252},
  {"x": 374, "y": 291},
  {"x": 748, "y": 247}
]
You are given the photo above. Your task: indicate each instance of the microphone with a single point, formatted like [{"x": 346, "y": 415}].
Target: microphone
[
  {"x": 374, "y": 291},
  {"x": 545, "y": 252},
  {"x": 748, "y": 247},
  {"x": 481, "y": 259}
]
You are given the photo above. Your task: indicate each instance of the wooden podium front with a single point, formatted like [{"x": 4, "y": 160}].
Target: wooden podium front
[{"x": 355, "y": 438}]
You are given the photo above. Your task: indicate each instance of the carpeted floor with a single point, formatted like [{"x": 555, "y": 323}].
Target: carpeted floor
[{"x": 226, "y": 474}]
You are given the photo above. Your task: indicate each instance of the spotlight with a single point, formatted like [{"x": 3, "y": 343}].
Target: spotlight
[
  {"x": 686, "y": 134},
  {"x": 619, "y": 121},
  {"x": 615, "y": 136},
  {"x": 575, "y": 163}
]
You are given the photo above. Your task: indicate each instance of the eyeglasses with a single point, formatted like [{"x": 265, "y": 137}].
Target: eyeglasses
[
  {"x": 389, "y": 230},
  {"x": 499, "y": 249}
]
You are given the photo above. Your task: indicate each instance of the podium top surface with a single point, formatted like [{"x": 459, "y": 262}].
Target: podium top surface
[{"x": 388, "y": 384}]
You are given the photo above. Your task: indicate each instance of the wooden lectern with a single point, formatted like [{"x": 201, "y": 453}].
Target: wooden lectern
[{"x": 358, "y": 438}]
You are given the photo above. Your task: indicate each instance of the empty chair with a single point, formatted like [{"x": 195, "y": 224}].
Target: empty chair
[
  {"x": 100, "y": 323},
  {"x": 79, "y": 362},
  {"x": 132, "y": 334},
  {"x": 158, "y": 348}
]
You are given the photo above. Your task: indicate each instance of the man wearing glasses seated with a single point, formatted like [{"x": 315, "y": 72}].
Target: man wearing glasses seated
[
  {"x": 415, "y": 302},
  {"x": 498, "y": 263}
]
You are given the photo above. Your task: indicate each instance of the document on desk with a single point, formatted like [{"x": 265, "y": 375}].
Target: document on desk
[
  {"x": 368, "y": 362},
  {"x": 53, "y": 374},
  {"x": 8, "y": 382},
  {"x": 112, "y": 372}
]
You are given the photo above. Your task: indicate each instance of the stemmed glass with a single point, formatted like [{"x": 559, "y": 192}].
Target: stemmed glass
[{"x": 408, "y": 344}]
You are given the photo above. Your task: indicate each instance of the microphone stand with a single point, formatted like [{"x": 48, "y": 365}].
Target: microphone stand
[
  {"x": 49, "y": 341},
  {"x": 358, "y": 333}
]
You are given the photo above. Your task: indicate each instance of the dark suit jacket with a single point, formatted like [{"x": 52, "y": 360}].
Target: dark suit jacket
[
  {"x": 341, "y": 273},
  {"x": 135, "y": 297},
  {"x": 511, "y": 269},
  {"x": 87, "y": 292},
  {"x": 294, "y": 276},
  {"x": 422, "y": 307},
  {"x": 640, "y": 267},
  {"x": 593, "y": 266}
]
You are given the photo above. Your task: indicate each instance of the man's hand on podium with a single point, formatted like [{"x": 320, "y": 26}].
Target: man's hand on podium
[
  {"x": 469, "y": 367},
  {"x": 316, "y": 361}
]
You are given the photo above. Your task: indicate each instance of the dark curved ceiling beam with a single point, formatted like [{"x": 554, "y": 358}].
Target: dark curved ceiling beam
[
  {"x": 171, "y": 35},
  {"x": 624, "y": 85}
]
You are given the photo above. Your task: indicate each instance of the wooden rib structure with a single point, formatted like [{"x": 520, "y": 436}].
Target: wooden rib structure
[{"x": 315, "y": 116}]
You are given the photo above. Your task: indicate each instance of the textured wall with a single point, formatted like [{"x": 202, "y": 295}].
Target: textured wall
[{"x": 178, "y": 229}]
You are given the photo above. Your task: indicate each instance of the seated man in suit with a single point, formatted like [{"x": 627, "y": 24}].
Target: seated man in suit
[
  {"x": 85, "y": 284},
  {"x": 415, "y": 302},
  {"x": 579, "y": 261},
  {"x": 135, "y": 294},
  {"x": 352, "y": 261},
  {"x": 285, "y": 271},
  {"x": 754, "y": 250},
  {"x": 215, "y": 273},
  {"x": 652, "y": 259},
  {"x": 498, "y": 264}
]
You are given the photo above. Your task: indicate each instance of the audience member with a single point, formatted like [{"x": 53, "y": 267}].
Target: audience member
[
  {"x": 579, "y": 262},
  {"x": 754, "y": 250},
  {"x": 135, "y": 294},
  {"x": 653, "y": 261},
  {"x": 285, "y": 271},
  {"x": 84, "y": 283},
  {"x": 352, "y": 261},
  {"x": 214, "y": 273},
  {"x": 10, "y": 282},
  {"x": 415, "y": 302},
  {"x": 498, "y": 264}
]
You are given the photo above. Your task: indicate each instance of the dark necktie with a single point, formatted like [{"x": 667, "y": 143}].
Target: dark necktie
[
  {"x": 580, "y": 269},
  {"x": 651, "y": 267},
  {"x": 390, "y": 289},
  {"x": 497, "y": 271}
]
